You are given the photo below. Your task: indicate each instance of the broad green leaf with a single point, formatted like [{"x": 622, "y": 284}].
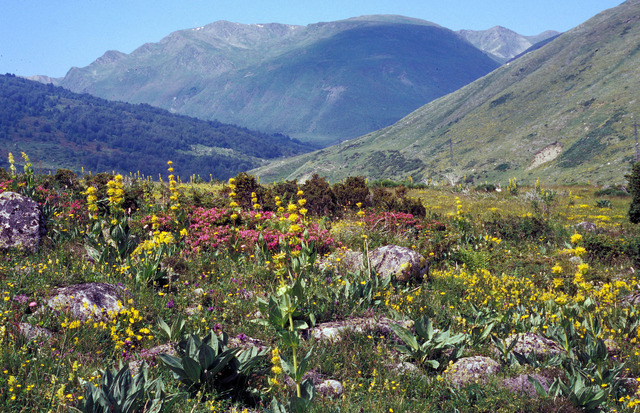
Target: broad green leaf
[
  {"x": 406, "y": 336},
  {"x": 300, "y": 325},
  {"x": 424, "y": 328},
  {"x": 276, "y": 407},
  {"x": 206, "y": 356},
  {"x": 192, "y": 369},
  {"x": 433, "y": 363},
  {"x": 537, "y": 386}
]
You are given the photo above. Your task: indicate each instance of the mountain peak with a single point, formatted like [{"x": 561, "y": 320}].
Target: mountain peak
[{"x": 501, "y": 43}]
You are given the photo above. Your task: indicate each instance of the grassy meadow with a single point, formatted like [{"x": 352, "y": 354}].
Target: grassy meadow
[{"x": 221, "y": 266}]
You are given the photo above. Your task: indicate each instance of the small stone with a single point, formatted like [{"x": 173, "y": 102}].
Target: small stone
[
  {"x": 530, "y": 342},
  {"x": 99, "y": 300},
  {"x": 471, "y": 370},
  {"x": 330, "y": 388},
  {"x": 612, "y": 347},
  {"x": 33, "y": 332},
  {"x": 402, "y": 262},
  {"x": 332, "y": 331},
  {"x": 522, "y": 384},
  {"x": 587, "y": 226},
  {"x": 405, "y": 367}
]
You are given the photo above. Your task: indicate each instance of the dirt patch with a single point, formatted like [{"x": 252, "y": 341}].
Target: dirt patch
[{"x": 545, "y": 155}]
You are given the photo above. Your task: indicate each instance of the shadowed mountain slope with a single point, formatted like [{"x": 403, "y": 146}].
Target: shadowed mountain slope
[
  {"x": 563, "y": 113},
  {"x": 61, "y": 129},
  {"x": 323, "y": 82}
]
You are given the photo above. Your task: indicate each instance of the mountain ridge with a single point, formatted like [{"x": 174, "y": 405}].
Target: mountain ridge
[
  {"x": 206, "y": 70},
  {"x": 561, "y": 113}
]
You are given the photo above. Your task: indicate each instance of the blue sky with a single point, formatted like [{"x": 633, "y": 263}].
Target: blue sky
[{"x": 47, "y": 37}]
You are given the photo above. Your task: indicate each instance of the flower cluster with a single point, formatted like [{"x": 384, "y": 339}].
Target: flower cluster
[
  {"x": 92, "y": 205},
  {"x": 173, "y": 189},
  {"x": 116, "y": 195}
]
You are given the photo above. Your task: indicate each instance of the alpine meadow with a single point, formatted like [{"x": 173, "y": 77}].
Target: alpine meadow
[{"x": 376, "y": 214}]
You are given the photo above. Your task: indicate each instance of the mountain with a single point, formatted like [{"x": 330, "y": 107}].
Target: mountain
[
  {"x": 503, "y": 44},
  {"x": 563, "y": 113},
  {"x": 61, "y": 129},
  {"x": 320, "y": 83}
]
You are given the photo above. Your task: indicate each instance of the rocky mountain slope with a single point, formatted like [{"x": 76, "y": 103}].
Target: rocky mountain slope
[
  {"x": 563, "y": 113},
  {"x": 503, "y": 44}
]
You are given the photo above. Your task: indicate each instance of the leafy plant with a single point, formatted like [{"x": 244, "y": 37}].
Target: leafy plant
[
  {"x": 173, "y": 332},
  {"x": 209, "y": 364},
  {"x": 122, "y": 393},
  {"x": 505, "y": 351},
  {"x": 603, "y": 203},
  {"x": 579, "y": 391},
  {"x": 428, "y": 345},
  {"x": 280, "y": 311}
]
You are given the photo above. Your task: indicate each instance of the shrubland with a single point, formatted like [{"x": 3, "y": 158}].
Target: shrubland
[{"x": 234, "y": 275}]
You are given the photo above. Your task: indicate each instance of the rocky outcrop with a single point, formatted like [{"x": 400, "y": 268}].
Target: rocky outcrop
[
  {"x": 332, "y": 331},
  {"x": 469, "y": 370},
  {"x": 530, "y": 342},
  {"x": 20, "y": 222},
  {"x": 402, "y": 262},
  {"x": 99, "y": 300},
  {"x": 330, "y": 388},
  {"x": 32, "y": 332}
]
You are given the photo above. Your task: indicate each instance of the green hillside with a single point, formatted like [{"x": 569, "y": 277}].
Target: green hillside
[
  {"x": 61, "y": 129},
  {"x": 319, "y": 83},
  {"x": 563, "y": 113}
]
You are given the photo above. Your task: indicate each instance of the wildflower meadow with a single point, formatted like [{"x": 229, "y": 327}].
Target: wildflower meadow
[{"x": 224, "y": 285}]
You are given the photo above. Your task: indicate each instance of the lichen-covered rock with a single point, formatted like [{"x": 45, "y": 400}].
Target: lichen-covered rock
[
  {"x": 150, "y": 356},
  {"x": 612, "y": 347},
  {"x": 405, "y": 263},
  {"x": 587, "y": 226},
  {"x": 402, "y": 262},
  {"x": 98, "y": 300},
  {"x": 469, "y": 370},
  {"x": 245, "y": 342},
  {"x": 330, "y": 388},
  {"x": 522, "y": 384},
  {"x": 32, "y": 332},
  {"x": 333, "y": 330},
  {"x": 530, "y": 342},
  {"x": 404, "y": 367},
  {"x": 20, "y": 222},
  {"x": 632, "y": 299}
]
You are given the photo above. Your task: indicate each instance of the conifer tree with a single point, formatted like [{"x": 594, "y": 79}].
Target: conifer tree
[{"x": 634, "y": 189}]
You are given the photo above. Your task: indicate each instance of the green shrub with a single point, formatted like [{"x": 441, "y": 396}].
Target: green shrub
[
  {"x": 387, "y": 200},
  {"x": 286, "y": 190},
  {"x": 352, "y": 191},
  {"x": 524, "y": 228},
  {"x": 612, "y": 191},
  {"x": 66, "y": 179},
  {"x": 604, "y": 248},
  {"x": 634, "y": 189},
  {"x": 486, "y": 188},
  {"x": 321, "y": 201}
]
